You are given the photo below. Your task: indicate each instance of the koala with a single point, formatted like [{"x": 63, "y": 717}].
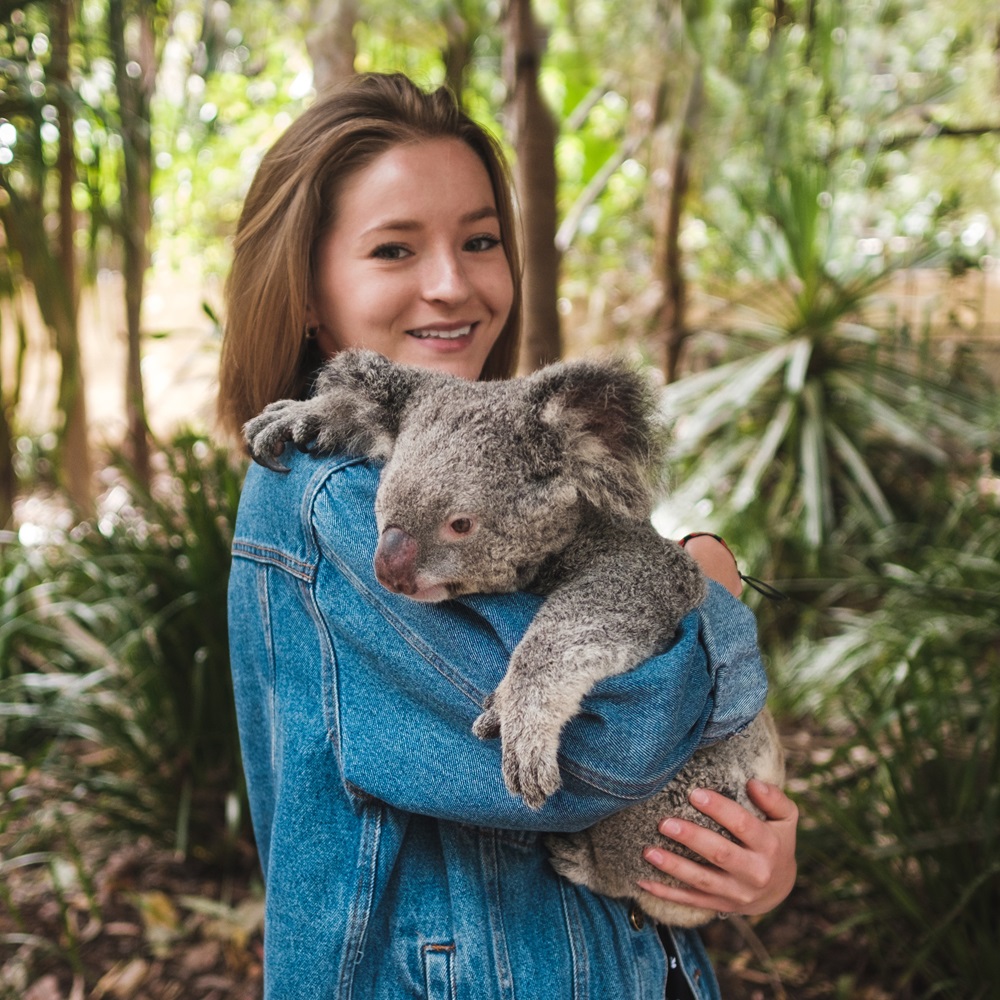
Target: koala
[{"x": 543, "y": 483}]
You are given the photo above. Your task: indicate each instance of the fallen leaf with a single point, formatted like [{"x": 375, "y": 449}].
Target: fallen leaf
[
  {"x": 201, "y": 958},
  {"x": 121, "y": 980},
  {"x": 160, "y": 919}
]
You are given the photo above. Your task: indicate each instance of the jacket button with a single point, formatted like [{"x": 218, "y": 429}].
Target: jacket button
[{"x": 636, "y": 918}]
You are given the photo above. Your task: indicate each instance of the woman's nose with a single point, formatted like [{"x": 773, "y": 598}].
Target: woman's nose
[{"x": 446, "y": 279}]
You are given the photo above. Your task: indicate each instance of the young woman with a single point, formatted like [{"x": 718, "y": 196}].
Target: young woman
[{"x": 396, "y": 863}]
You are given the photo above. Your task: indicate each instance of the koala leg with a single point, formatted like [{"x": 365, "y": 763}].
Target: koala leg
[{"x": 542, "y": 690}]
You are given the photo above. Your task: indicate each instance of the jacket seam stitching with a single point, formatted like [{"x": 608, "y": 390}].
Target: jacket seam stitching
[
  {"x": 491, "y": 865},
  {"x": 578, "y": 956},
  {"x": 275, "y": 557},
  {"x": 357, "y": 923}
]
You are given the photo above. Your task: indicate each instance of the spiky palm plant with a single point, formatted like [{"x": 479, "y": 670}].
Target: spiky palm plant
[{"x": 820, "y": 422}]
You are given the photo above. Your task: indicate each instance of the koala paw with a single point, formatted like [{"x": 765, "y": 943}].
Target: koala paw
[
  {"x": 529, "y": 746},
  {"x": 530, "y": 766},
  {"x": 278, "y": 423}
]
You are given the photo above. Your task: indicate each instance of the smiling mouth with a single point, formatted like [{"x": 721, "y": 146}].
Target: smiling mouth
[{"x": 431, "y": 334}]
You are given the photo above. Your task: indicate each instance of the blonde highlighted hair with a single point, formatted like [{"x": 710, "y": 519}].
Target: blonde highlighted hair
[{"x": 291, "y": 203}]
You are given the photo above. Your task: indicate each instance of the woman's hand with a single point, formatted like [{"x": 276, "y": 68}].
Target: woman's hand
[{"x": 749, "y": 876}]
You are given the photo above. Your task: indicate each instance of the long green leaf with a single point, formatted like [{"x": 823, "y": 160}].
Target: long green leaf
[{"x": 862, "y": 474}]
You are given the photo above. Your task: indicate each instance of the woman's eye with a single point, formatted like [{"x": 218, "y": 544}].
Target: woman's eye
[
  {"x": 479, "y": 244},
  {"x": 390, "y": 251}
]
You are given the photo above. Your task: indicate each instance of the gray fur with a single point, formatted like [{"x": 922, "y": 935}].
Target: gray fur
[{"x": 540, "y": 483}]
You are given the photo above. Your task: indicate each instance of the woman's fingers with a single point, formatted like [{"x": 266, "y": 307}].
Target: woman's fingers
[
  {"x": 772, "y": 801},
  {"x": 749, "y": 874},
  {"x": 702, "y": 885}
]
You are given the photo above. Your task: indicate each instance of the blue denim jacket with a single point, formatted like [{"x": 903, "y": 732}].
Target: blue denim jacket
[{"x": 396, "y": 863}]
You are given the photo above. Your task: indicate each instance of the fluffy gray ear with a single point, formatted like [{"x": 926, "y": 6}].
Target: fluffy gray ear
[
  {"x": 605, "y": 416},
  {"x": 356, "y": 407}
]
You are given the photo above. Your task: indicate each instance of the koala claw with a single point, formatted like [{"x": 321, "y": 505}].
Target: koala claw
[{"x": 487, "y": 726}]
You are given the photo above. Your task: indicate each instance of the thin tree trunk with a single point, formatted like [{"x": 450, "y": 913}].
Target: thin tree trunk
[
  {"x": 62, "y": 313},
  {"x": 8, "y": 480},
  {"x": 331, "y": 41},
  {"x": 457, "y": 52},
  {"x": 8, "y": 408},
  {"x": 135, "y": 78},
  {"x": 533, "y": 133},
  {"x": 672, "y": 329}
]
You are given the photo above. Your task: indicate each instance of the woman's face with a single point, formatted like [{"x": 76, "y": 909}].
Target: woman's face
[{"x": 413, "y": 266}]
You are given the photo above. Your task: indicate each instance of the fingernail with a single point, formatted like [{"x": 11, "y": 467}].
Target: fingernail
[
  {"x": 670, "y": 828},
  {"x": 654, "y": 856},
  {"x": 699, "y": 797}
]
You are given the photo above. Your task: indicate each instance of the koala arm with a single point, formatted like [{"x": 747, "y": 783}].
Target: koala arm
[
  {"x": 412, "y": 678},
  {"x": 355, "y": 408}
]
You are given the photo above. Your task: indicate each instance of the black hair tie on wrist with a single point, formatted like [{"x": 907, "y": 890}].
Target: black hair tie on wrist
[{"x": 771, "y": 593}]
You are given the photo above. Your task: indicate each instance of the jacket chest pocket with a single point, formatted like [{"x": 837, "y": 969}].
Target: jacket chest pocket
[{"x": 439, "y": 971}]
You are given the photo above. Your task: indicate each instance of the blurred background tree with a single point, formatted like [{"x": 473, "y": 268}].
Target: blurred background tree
[{"x": 788, "y": 208}]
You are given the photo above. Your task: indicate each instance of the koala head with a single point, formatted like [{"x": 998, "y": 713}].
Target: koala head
[{"x": 485, "y": 481}]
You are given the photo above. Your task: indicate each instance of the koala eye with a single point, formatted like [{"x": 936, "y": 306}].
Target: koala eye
[{"x": 459, "y": 527}]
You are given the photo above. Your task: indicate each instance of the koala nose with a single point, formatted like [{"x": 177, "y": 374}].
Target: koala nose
[{"x": 396, "y": 561}]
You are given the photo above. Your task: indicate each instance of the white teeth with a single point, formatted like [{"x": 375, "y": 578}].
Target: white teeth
[{"x": 442, "y": 334}]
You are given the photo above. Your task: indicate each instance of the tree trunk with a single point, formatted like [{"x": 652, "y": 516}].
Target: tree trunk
[
  {"x": 135, "y": 80},
  {"x": 9, "y": 400},
  {"x": 8, "y": 480},
  {"x": 533, "y": 132},
  {"x": 671, "y": 328},
  {"x": 331, "y": 41},
  {"x": 457, "y": 53},
  {"x": 62, "y": 312}
]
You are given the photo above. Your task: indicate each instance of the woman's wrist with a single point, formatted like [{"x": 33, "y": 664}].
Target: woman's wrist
[{"x": 715, "y": 559}]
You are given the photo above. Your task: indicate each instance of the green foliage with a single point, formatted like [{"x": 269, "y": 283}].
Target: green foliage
[
  {"x": 821, "y": 166},
  {"x": 123, "y": 644},
  {"x": 905, "y": 817}
]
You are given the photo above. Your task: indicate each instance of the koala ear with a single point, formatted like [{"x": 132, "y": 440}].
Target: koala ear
[
  {"x": 605, "y": 416},
  {"x": 368, "y": 394}
]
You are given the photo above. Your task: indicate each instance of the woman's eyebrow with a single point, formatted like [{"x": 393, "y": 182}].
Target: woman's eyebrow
[
  {"x": 410, "y": 225},
  {"x": 486, "y": 212}
]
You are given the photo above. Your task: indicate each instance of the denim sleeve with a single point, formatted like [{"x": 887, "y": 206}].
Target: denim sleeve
[
  {"x": 727, "y": 630},
  {"x": 411, "y": 678}
]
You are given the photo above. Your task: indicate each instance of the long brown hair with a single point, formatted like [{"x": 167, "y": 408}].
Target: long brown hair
[{"x": 290, "y": 204}]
